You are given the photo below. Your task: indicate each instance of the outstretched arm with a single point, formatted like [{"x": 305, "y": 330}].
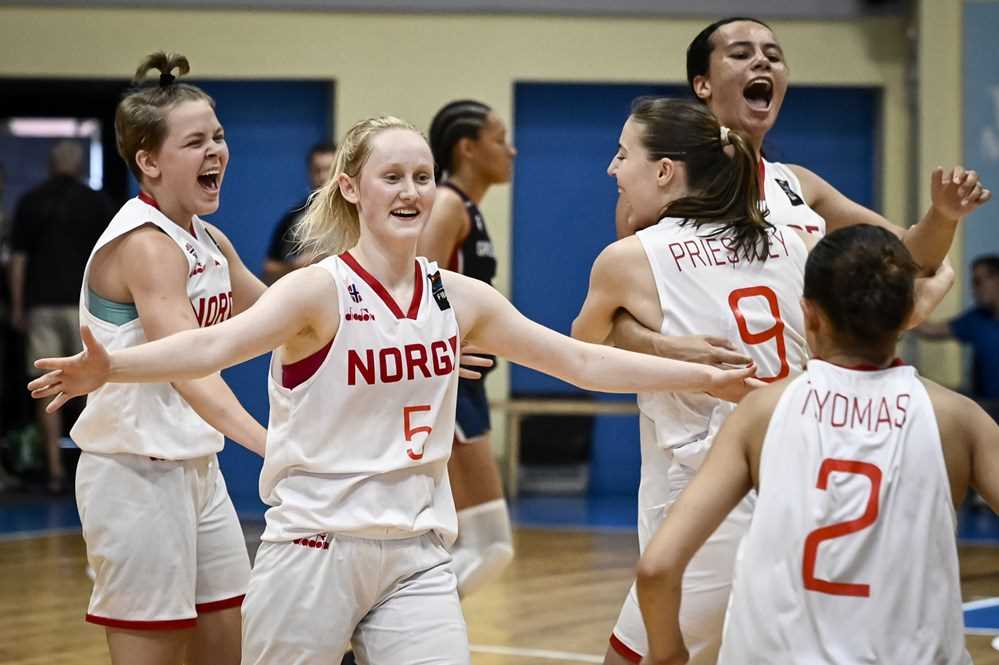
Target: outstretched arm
[
  {"x": 492, "y": 324},
  {"x": 297, "y": 302},
  {"x": 955, "y": 194}
]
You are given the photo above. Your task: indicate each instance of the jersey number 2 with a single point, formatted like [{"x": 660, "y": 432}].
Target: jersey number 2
[
  {"x": 415, "y": 452},
  {"x": 774, "y": 332},
  {"x": 829, "y": 466}
]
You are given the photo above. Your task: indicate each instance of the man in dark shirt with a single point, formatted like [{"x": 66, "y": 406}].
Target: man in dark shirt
[
  {"x": 978, "y": 327},
  {"x": 55, "y": 227},
  {"x": 282, "y": 256}
]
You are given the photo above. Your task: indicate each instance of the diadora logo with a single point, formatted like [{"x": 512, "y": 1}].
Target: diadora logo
[
  {"x": 362, "y": 315},
  {"x": 355, "y": 294},
  {"x": 320, "y": 541}
]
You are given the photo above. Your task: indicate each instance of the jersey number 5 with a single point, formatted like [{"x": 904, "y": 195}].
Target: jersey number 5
[
  {"x": 415, "y": 451},
  {"x": 774, "y": 332},
  {"x": 829, "y": 466}
]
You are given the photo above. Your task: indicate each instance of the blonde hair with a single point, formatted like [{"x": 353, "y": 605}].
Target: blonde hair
[
  {"x": 140, "y": 119},
  {"x": 331, "y": 224}
]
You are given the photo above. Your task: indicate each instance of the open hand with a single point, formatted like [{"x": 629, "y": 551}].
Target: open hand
[
  {"x": 732, "y": 385},
  {"x": 74, "y": 375},
  {"x": 703, "y": 349},
  {"x": 957, "y": 193}
]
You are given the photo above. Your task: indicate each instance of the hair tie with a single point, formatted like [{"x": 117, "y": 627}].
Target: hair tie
[
  {"x": 723, "y": 135},
  {"x": 166, "y": 78}
]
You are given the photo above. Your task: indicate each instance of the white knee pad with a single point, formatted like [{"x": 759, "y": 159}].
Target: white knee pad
[{"x": 484, "y": 546}]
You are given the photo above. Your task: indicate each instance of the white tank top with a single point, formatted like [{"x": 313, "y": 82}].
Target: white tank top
[
  {"x": 362, "y": 445},
  {"x": 851, "y": 556},
  {"x": 705, "y": 289},
  {"x": 785, "y": 201},
  {"x": 152, "y": 418}
]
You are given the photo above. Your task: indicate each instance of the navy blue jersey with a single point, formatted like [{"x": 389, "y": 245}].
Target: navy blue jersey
[{"x": 474, "y": 256}]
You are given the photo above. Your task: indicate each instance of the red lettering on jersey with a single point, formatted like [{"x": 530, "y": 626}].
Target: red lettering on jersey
[
  {"x": 395, "y": 363},
  {"x": 900, "y": 407},
  {"x": 443, "y": 364},
  {"x": 214, "y": 309},
  {"x": 695, "y": 252},
  {"x": 383, "y": 357},
  {"x": 673, "y": 247},
  {"x": 779, "y": 237},
  {"x": 416, "y": 357},
  {"x": 884, "y": 415},
  {"x": 846, "y": 406},
  {"x": 225, "y": 300},
  {"x": 858, "y": 416},
  {"x": 355, "y": 365},
  {"x": 714, "y": 251}
]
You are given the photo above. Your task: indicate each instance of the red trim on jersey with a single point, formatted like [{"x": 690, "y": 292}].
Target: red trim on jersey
[
  {"x": 761, "y": 179},
  {"x": 867, "y": 367},
  {"x": 298, "y": 372},
  {"x": 624, "y": 650},
  {"x": 174, "y": 624},
  {"x": 216, "y": 605},
  {"x": 414, "y": 305},
  {"x": 149, "y": 200}
]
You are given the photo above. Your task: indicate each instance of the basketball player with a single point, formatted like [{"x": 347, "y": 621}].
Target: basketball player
[
  {"x": 471, "y": 152},
  {"x": 363, "y": 390},
  {"x": 858, "y": 464},
  {"x": 737, "y": 68},
  {"x": 162, "y": 536},
  {"x": 686, "y": 275}
]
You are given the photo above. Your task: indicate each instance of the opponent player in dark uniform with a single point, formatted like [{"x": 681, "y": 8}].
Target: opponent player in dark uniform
[{"x": 471, "y": 152}]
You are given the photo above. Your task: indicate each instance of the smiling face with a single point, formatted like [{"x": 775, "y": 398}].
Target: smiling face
[
  {"x": 747, "y": 78},
  {"x": 642, "y": 183},
  {"x": 394, "y": 192},
  {"x": 186, "y": 172}
]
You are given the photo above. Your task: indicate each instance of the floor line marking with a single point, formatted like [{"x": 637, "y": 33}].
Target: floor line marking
[
  {"x": 39, "y": 533},
  {"x": 537, "y": 653}
]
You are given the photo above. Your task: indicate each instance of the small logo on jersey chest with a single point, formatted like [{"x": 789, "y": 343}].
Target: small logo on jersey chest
[
  {"x": 354, "y": 293},
  {"x": 437, "y": 289},
  {"x": 362, "y": 315},
  {"x": 791, "y": 194}
]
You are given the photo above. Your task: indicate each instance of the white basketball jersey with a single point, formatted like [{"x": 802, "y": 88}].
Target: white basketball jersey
[
  {"x": 362, "y": 445},
  {"x": 152, "y": 418},
  {"x": 705, "y": 288},
  {"x": 785, "y": 201},
  {"x": 851, "y": 555}
]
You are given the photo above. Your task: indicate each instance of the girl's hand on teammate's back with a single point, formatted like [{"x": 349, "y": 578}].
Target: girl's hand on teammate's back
[
  {"x": 703, "y": 349},
  {"x": 469, "y": 360},
  {"x": 74, "y": 375}
]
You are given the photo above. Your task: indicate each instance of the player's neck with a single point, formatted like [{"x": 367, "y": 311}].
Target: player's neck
[
  {"x": 852, "y": 359},
  {"x": 474, "y": 185},
  {"x": 390, "y": 263},
  {"x": 169, "y": 206}
]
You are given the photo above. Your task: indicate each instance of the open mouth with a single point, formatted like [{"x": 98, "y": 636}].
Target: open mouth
[
  {"x": 209, "y": 180},
  {"x": 406, "y": 213},
  {"x": 759, "y": 93}
]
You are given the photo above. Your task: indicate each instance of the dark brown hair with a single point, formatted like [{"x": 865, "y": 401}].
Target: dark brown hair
[
  {"x": 724, "y": 190},
  {"x": 140, "y": 120},
  {"x": 863, "y": 278}
]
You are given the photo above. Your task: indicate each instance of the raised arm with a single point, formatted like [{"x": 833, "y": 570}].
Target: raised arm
[
  {"x": 955, "y": 194},
  {"x": 491, "y": 324},
  {"x": 725, "y": 477}
]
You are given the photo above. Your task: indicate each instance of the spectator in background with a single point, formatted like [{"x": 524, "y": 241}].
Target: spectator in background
[
  {"x": 55, "y": 226},
  {"x": 282, "y": 254},
  {"x": 978, "y": 327}
]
